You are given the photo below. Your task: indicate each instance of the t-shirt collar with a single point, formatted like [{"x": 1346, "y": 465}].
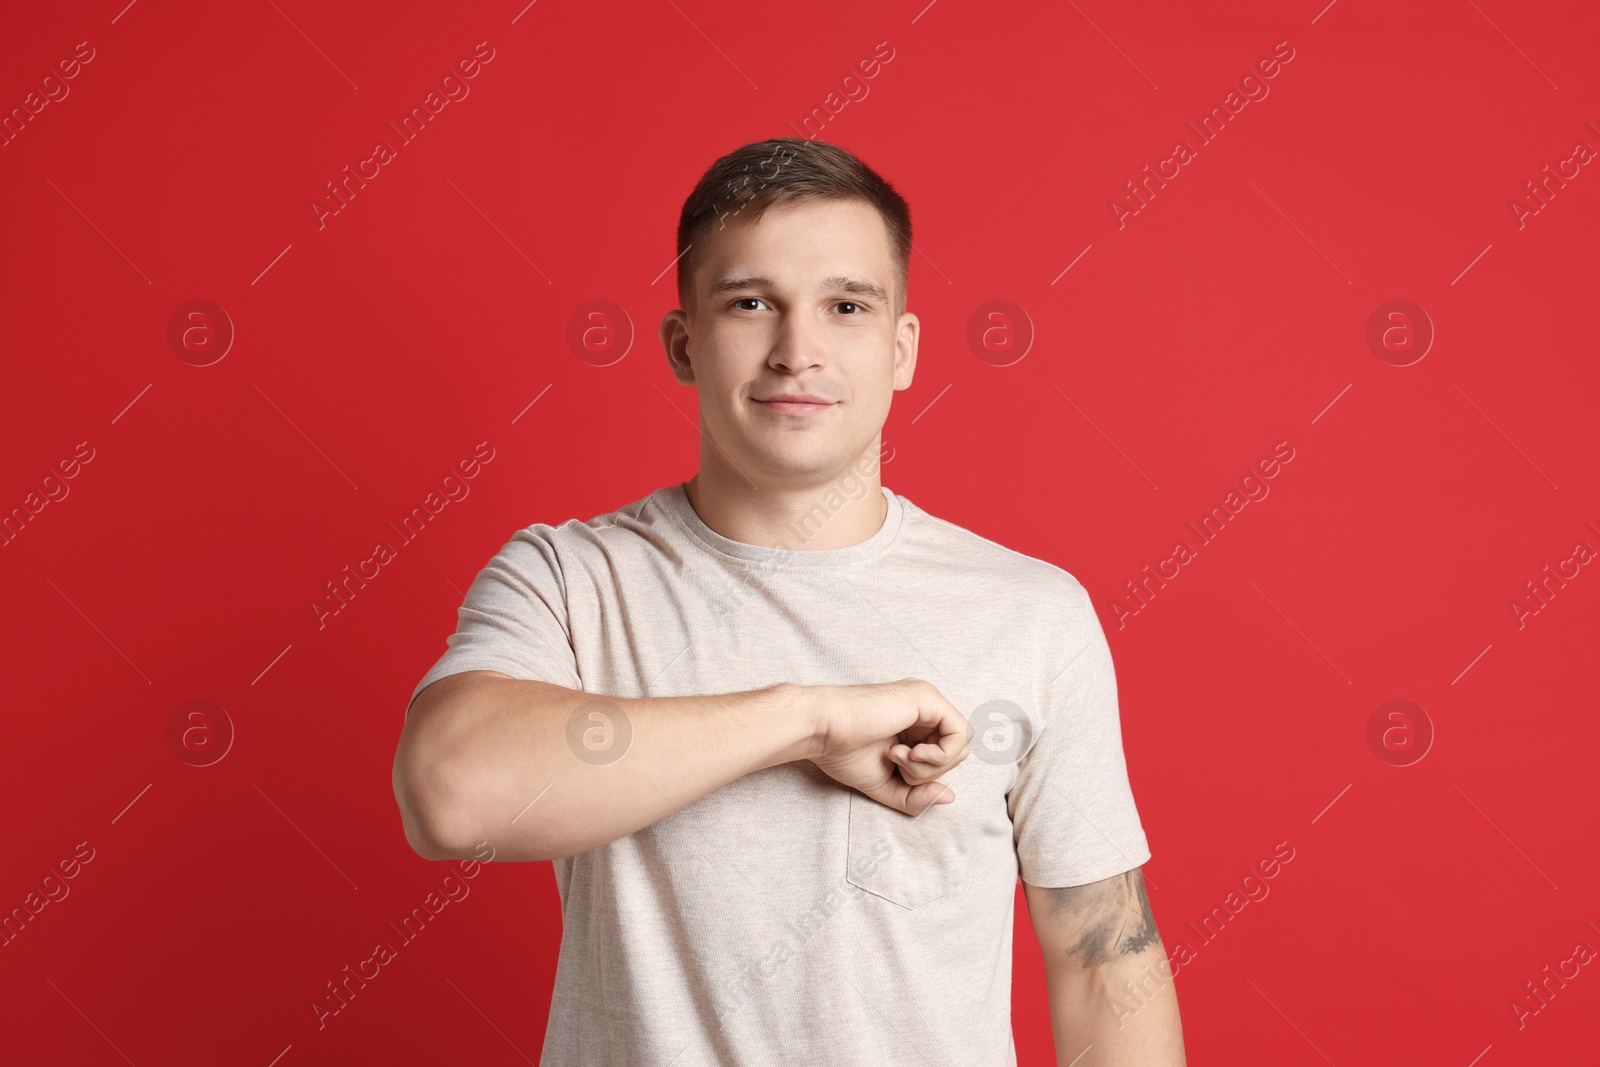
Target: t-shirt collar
[{"x": 676, "y": 500}]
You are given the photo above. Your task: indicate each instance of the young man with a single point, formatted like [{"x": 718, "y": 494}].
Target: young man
[{"x": 788, "y": 739}]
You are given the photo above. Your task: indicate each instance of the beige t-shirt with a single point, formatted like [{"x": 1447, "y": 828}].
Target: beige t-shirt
[{"x": 785, "y": 918}]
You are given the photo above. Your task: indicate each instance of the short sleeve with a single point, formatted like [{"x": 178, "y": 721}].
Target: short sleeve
[
  {"x": 514, "y": 618},
  {"x": 1072, "y": 810}
]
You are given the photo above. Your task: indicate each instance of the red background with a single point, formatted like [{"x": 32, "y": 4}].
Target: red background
[{"x": 372, "y": 353}]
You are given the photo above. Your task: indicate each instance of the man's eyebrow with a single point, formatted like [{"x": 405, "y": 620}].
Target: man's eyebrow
[
  {"x": 838, "y": 283},
  {"x": 735, "y": 282},
  {"x": 843, "y": 283}
]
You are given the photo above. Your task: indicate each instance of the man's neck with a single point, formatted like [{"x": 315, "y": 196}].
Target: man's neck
[{"x": 822, "y": 515}]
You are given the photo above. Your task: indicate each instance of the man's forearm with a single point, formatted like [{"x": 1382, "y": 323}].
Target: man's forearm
[
  {"x": 1120, "y": 1013},
  {"x": 542, "y": 771}
]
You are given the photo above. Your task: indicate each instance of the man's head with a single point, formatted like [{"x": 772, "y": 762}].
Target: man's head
[{"x": 792, "y": 280}]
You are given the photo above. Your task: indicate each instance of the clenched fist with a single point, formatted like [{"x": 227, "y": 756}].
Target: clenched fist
[{"x": 890, "y": 740}]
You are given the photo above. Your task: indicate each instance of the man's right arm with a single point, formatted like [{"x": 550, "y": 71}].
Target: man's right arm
[{"x": 486, "y": 757}]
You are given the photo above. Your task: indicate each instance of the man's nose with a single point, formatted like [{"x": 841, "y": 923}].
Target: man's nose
[{"x": 797, "y": 346}]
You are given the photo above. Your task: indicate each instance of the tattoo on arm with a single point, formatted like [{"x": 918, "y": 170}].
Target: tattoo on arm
[{"x": 1113, "y": 915}]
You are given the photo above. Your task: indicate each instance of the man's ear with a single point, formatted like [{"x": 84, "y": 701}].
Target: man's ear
[
  {"x": 905, "y": 350},
  {"x": 675, "y": 340}
]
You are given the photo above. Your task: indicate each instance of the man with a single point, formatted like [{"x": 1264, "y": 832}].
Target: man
[{"x": 788, "y": 739}]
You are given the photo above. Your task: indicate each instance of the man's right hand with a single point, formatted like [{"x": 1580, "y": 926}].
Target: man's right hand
[{"x": 890, "y": 740}]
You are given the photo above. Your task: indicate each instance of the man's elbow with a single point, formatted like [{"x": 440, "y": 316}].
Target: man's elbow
[
  {"x": 429, "y": 814},
  {"x": 1137, "y": 975},
  {"x": 441, "y": 821}
]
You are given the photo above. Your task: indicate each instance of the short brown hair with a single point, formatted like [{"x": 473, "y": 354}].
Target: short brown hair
[{"x": 748, "y": 180}]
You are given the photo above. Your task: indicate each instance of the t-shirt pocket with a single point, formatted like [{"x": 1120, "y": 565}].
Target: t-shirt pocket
[{"x": 913, "y": 859}]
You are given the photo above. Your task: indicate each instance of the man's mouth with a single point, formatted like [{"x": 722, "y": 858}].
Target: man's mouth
[
  {"x": 787, "y": 406},
  {"x": 794, "y": 403}
]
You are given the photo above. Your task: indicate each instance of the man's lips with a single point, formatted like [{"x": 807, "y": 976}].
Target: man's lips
[{"x": 795, "y": 404}]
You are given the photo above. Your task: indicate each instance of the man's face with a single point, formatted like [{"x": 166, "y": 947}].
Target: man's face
[{"x": 800, "y": 302}]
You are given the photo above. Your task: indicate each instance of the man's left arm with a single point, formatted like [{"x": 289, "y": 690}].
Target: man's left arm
[{"x": 1112, "y": 1001}]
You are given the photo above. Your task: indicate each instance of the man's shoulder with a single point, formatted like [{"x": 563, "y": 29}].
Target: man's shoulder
[
  {"x": 646, "y": 511},
  {"x": 990, "y": 561},
  {"x": 597, "y": 541}
]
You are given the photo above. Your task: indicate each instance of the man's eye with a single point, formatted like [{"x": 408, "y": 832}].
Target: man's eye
[
  {"x": 848, "y": 303},
  {"x": 748, "y": 300}
]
